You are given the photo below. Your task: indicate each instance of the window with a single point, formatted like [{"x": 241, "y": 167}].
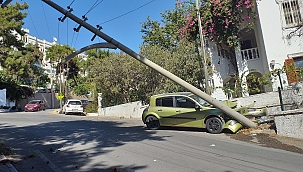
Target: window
[
  {"x": 185, "y": 102},
  {"x": 165, "y": 101},
  {"x": 292, "y": 14},
  {"x": 298, "y": 62}
]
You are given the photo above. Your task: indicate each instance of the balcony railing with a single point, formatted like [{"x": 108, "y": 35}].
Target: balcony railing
[{"x": 249, "y": 54}]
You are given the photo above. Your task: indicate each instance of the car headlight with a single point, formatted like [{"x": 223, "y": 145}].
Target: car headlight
[{"x": 232, "y": 122}]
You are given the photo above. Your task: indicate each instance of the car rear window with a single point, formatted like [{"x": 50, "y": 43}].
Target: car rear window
[
  {"x": 74, "y": 103},
  {"x": 165, "y": 101},
  {"x": 33, "y": 102}
]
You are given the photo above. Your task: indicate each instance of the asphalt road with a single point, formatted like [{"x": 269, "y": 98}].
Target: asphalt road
[{"x": 51, "y": 142}]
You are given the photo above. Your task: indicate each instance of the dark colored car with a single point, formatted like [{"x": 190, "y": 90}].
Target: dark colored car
[
  {"x": 34, "y": 105},
  {"x": 85, "y": 103}
]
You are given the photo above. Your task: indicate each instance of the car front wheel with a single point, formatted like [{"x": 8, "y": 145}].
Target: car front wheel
[
  {"x": 214, "y": 125},
  {"x": 152, "y": 122}
]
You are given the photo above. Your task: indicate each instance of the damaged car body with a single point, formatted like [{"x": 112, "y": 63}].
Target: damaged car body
[{"x": 185, "y": 109}]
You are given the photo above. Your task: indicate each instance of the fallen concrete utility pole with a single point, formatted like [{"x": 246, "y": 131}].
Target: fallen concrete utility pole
[
  {"x": 98, "y": 45},
  {"x": 243, "y": 120}
]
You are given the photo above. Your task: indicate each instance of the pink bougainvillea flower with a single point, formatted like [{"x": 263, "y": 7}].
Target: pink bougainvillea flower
[
  {"x": 247, "y": 18},
  {"x": 226, "y": 26}
]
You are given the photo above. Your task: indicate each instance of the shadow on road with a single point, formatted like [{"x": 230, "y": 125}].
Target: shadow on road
[{"x": 65, "y": 142}]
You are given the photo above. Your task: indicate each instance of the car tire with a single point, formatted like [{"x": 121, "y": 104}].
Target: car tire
[
  {"x": 152, "y": 122},
  {"x": 214, "y": 125}
]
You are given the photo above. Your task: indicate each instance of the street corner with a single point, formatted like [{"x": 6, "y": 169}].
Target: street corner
[{"x": 55, "y": 111}]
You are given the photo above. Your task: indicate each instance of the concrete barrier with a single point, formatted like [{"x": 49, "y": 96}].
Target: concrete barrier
[
  {"x": 128, "y": 110},
  {"x": 290, "y": 123}
]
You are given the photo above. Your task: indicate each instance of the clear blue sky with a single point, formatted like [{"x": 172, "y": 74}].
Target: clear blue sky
[{"x": 42, "y": 20}]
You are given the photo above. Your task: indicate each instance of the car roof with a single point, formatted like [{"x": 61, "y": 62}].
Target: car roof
[
  {"x": 73, "y": 100},
  {"x": 173, "y": 94}
]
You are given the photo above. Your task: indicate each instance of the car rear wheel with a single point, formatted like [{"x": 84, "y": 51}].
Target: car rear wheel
[
  {"x": 152, "y": 122},
  {"x": 214, "y": 125}
]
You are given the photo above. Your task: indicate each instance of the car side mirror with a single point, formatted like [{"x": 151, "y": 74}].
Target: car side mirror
[{"x": 197, "y": 107}]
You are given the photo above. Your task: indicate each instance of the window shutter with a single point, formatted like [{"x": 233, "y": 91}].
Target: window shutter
[{"x": 291, "y": 71}]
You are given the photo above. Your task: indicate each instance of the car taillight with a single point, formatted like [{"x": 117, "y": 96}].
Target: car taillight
[
  {"x": 81, "y": 106},
  {"x": 67, "y": 105}
]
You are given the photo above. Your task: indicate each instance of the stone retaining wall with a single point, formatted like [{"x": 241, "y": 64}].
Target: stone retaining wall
[{"x": 290, "y": 123}]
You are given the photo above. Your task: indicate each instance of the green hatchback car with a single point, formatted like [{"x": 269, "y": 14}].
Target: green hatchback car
[{"x": 185, "y": 109}]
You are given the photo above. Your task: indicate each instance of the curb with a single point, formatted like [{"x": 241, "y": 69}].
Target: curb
[{"x": 6, "y": 161}]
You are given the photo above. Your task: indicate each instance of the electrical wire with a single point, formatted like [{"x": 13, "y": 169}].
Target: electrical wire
[
  {"x": 59, "y": 32},
  {"x": 71, "y": 3},
  {"x": 73, "y": 36},
  {"x": 93, "y": 6},
  {"x": 46, "y": 20},
  {"x": 126, "y": 13},
  {"x": 33, "y": 23}
]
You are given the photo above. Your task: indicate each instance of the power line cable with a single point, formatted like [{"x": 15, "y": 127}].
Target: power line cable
[
  {"x": 71, "y": 3},
  {"x": 46, "y": 20},
  {"x": 59, "y": 32},
  {"x": 127, "y": 13},
  {"x": 93, "y": 6},
  {"x": 33, "y": 23},
  {"x": 67, "y": 32},
  {"x": 73, "y": 36},
  {"x": 76, "y": 39}
]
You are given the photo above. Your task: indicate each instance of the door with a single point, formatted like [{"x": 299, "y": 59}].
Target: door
[
  {"x": 188, "y": 115},
  {"x": 166, "y": 111}
]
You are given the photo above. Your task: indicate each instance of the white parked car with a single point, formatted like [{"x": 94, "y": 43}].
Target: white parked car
[{"x": 73, "y": 106}]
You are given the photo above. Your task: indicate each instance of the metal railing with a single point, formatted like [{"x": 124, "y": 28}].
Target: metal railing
[{"x": 249, "y": 54}]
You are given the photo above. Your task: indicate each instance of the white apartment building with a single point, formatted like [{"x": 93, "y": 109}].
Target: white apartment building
[
  {"x": 43, "y": 45},
  {"x": 265, "y": 48}
]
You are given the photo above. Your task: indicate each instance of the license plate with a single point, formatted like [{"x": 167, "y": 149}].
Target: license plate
[
  {"x": 75, "y": 110},
  {"x": 30, "y": 108}
]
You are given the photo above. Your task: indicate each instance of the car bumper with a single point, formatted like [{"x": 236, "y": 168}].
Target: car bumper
[
  {"x": 74, "y": 110},
  {"x": 233, "y": 125},
  {"x": 30, "y": 109}
]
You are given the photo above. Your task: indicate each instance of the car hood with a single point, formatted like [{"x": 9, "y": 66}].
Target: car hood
[{"x": 229, "y": 103}]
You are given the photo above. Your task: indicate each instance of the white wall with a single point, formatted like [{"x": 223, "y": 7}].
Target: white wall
[
  {"x": 276, "y": 45},
  {"x": 3, "y": 97}
]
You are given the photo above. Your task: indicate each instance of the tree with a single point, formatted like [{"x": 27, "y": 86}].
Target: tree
[
  {"x": 23, "y": 65},
  {"x": 17, "y": 60},
  {"x": 55, "y": 54},
  {"x": 165, "y": 33},
  {"x": 11, "y": 18},
  {"x": 14, "y": 92},
  {"x": 221, "y": 20}
]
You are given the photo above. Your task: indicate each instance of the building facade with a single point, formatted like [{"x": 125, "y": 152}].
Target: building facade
[{"x": 272, "y": 41}]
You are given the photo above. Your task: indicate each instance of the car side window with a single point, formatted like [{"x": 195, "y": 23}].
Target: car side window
[
  {"x": 184, "y": 102},
  {"x": 164, "y": 101}
]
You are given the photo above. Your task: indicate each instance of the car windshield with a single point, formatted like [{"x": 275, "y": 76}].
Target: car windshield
[
  {"x": 33, "y": 102},
  {"x": 74, "y": 103},
  {"x": 199, "y": 100}
]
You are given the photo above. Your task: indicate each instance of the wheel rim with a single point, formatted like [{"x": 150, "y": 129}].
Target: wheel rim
[
  {"x": 214, "y": 125},
  {"x": 152, "y": 122}
]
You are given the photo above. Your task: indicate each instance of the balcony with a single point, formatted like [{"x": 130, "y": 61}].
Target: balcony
[{"x": 249, "y": 54}]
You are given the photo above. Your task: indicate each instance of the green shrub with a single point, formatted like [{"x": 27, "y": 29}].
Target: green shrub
[{"x": 91, "y": 108}]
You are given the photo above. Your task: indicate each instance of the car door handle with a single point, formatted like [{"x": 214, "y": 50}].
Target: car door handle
[
  {"x": 159, "y": 110},
  {"x": 178, "y": 111}
]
